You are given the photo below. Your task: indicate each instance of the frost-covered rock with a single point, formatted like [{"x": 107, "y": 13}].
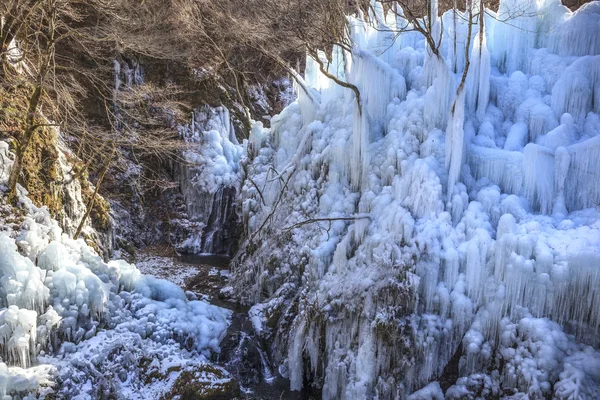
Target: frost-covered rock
[{"x": 70, "y": 319}]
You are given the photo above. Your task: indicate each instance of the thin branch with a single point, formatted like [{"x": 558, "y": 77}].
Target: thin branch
[{"x": 314, "y": 220}]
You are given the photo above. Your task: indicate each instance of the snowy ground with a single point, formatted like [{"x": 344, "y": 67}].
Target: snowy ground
[
  {"x": 194, "y": 274},
  {"x": 165, "y": 267}
]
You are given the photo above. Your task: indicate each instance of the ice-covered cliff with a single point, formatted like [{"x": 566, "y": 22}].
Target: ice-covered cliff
[{"x": 430, "y": 239}]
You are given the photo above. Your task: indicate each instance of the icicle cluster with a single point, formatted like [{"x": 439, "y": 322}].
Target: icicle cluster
[{"x": 425, "y": 237}]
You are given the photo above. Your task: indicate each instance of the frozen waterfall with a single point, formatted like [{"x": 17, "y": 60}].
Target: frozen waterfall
[{"x": 423, "y": 254}]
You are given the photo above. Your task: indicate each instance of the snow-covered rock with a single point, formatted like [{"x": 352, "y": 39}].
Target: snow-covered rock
[{"x": 400, "y": 255}]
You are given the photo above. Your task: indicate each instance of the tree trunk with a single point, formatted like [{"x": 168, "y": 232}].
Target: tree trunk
[
  {"x": 22, "y": 147},
  {"x": 93, "y": 199},
  {"x": 454, "y": 23}
]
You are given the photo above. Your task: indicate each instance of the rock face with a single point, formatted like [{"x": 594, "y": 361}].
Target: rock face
[
  {"x": 53, "y": 179},
  {"x": 384, "y": 257}
]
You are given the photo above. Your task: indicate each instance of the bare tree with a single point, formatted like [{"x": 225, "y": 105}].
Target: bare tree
[{"x": 37, "y": 46}]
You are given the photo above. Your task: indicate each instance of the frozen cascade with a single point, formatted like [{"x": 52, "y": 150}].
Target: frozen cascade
[
  {"x": 407, "y": 261},
  {"x": 581, "y": 183},
  {"x": 455, "y": 141},
  {"x": 577, "y": 36},
  {"x": 440, "y": 93},
  {"x": 376, "y": 94},
  {"x": 539, "y": 188},
  {"x": 574, "y": 91},
  {"x": 210, "y": 179},
  {"x": 513, "y": 41}
]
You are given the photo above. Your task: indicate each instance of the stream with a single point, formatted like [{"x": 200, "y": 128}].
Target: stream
[{"x": 242, "y": 353}]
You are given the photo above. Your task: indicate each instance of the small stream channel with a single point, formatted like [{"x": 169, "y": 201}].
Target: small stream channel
[{"x": 242, "y": 353}]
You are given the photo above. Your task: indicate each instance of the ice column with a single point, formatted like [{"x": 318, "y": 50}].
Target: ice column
[{"x": 455, "y": 141}]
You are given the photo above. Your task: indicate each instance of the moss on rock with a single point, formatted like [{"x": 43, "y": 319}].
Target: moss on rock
[{"x": 206, "y": 382}]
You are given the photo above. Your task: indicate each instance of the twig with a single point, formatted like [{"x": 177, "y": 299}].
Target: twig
[{"x": 313, "y": 220}]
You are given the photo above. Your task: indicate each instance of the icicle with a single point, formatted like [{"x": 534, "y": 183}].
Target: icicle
[
  {"x": 478, "y": 79},
  {"x": 476, "y": 271},
  {"x": 311, "y": 73},
  {"x": 578, "y": 35},
  {"x": 539, "y": 187},
  {"x": 563, "y": 135},
  {"x": 455, "y": 142},
  {"x": 582, "y": 186},
  {"x": 561, "y": 169},
  {"x": 360, "y": 155},
  {"x": 258, "y": 138},
  {"x": 440, "y": 93},
  {"x": 435, "y": 23},
  {"x": 18, "y": 329},
  {"x": 506, "y": 243},
  {"x": 295, "y": 355},
  {"x": 513, "y": 40},
  {"x": 308, "y": 99},
  {"x": 516, "y": 138},
  {"x": 519, "y": 279},
  {"x": 577, "y": 298},
  {"x": 504, "y": 168},
  {"x": 573, "y": 93},
  {"x": 337, "y": 67},
  {"x": 541, "y": 121},
  {"x": 551, "y": 15},
  {"x": 483, "y": 97},
  {"x": 117, "y": 72},
  {"x": 378, "y": 83}
]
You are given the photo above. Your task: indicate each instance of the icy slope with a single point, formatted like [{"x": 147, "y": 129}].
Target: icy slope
[
  {"x": 69, "y": 318},
  {"x": 406, "y": 244}
]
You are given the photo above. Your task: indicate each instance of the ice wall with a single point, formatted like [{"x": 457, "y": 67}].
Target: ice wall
[{"x": 411, "y": 246}]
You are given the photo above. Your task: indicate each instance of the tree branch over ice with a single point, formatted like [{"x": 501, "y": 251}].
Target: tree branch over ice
[
  {"x": 315, "y": 220},
  {"x": 313, "y": 53}
]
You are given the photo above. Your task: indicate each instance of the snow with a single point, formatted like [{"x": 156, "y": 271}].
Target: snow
[
  {"x": 63, "y": 306},
  {"x": 483, "y": 225},
  {"x": 257, "y": 317}
]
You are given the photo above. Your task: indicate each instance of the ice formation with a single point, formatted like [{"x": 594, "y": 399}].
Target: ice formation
[
  {"x": 210, "y": 178},
  {"x": 403, "y": 244},
  {"x": 64, "y": 310}
]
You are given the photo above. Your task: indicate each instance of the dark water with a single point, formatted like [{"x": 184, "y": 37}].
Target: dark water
[
  {"x": 213, "y": 260},
  {"x": 242, "y": 353}
]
